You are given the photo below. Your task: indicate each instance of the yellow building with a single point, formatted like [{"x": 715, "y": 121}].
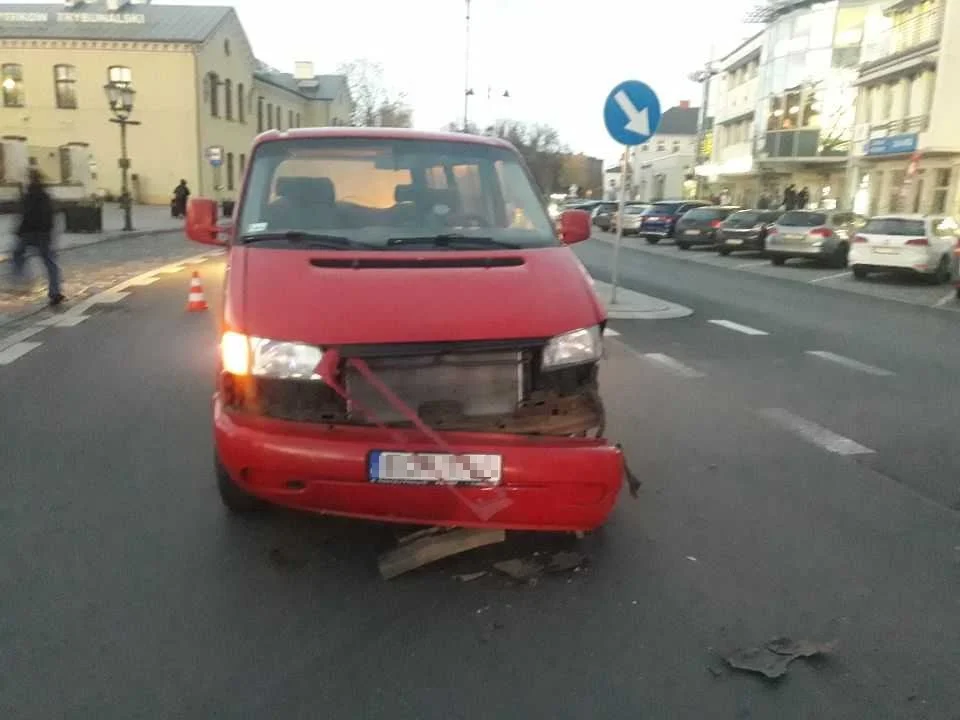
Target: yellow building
[{"x": 198, "y": 85}]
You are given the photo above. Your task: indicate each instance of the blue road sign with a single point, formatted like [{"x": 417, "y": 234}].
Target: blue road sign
[
  {"x": 214, "y": 155},
  {"x": 632, "y": 113}
]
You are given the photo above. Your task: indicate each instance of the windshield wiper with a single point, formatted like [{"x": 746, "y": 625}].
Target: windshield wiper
[
  {"x": 451, "y": 239},
  {"x": 317, "y": 240}
]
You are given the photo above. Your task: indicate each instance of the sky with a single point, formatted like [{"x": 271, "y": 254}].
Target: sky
[{"x": 558, "y": 60}]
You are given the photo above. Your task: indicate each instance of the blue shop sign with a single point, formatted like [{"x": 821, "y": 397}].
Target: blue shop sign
[{"x": 893, "y": 144}]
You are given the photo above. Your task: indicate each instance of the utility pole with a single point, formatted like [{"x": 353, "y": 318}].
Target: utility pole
[{"x": 467, "y": 92}]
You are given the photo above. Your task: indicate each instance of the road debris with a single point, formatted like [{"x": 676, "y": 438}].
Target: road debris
[
  {"x": 519, "y": 569},
  {"x": 772, "y": 659},
  {"x": 566, "y": 561},
  {"x": 428, "y": 547},
  {"x": 470, "y": 577},
  {"x": 691, "y": 558}
]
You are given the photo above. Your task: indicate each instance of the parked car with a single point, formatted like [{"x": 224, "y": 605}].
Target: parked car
[
  {"x": 602, "y": 215},
  {"x": 452, "y": 409},
  {"x": 699, "y": 226},
  {"x": 912, "y": 244},
  {"x": 746, "y": 230},
  {"x": 660, "y": 219},
  {"x": 632, "y": 218},
  {"x": 816, "y": 234}
]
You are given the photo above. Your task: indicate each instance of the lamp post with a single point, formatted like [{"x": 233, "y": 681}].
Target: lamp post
[{"x": 120, "y": 98}]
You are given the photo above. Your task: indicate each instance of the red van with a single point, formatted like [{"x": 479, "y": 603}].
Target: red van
[{"x": 405, "y": 338}]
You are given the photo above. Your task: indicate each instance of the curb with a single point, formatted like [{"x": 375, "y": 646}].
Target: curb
[{"x": 112, "y": 237}]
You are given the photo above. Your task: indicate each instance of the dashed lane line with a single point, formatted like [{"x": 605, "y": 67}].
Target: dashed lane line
[
  {"x": 816, "y": 434},
  {"x": 15, "y": 351},
  {"x": 949, "y": 297},
  {"x": 737, "y": 327},
  {"x": 849, "y": 363},
  {"x": 672, "y": 365},
  {"x": 829, "y": 277}
]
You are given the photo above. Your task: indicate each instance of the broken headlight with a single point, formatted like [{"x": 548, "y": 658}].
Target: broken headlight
[{"x": 573, "y": 348}]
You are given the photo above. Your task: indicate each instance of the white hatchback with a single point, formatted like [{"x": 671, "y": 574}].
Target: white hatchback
[{"x": 915, "y": 244}]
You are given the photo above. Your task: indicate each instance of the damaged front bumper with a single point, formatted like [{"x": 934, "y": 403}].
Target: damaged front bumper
[
  {"x": 548, "y": 482},
  {"x": 308, "y": 444}
]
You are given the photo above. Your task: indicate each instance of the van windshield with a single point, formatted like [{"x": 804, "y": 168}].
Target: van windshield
[{"x": 372, "y": 190}]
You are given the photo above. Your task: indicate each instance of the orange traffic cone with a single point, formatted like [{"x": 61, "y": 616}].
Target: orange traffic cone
[{"x": 195, "y": 301}]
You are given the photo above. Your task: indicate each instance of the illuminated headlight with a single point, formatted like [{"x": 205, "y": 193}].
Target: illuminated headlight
[
  {"x": 262, "y": 357},
  {"x": 573, "y": 348}
]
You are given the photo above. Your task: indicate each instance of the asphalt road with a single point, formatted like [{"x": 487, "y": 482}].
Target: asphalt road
[{"x": 784, "y": 494}]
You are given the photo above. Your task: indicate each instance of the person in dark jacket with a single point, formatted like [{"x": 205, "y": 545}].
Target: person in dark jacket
[
  {"x": 36, "y": 231},
  {"x": 180, "y": 195},
  {"x": 803, "y": 198}
]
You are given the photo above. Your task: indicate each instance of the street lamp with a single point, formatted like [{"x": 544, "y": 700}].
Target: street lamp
[{"x": 120, "y": 98}]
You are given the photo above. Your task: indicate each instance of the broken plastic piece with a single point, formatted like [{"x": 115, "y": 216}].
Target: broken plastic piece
[
  {"x": 470, "y": 577},
  {"x": 519, "y": 569},
  {"x": 431, "y": 547},
  {"x": 773, "y": 658},
  {"x": 565, "y": 561}
]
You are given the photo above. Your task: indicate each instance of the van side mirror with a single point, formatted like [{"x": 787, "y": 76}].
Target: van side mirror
[
  {"x": 574, "y": 226},
  {"x": 201, "y": 223}
]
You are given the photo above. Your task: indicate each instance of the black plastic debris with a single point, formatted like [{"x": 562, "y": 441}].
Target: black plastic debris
[{"x": 772, "y": 659}]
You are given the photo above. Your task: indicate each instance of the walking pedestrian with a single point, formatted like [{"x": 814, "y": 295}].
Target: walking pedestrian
[
  {"x": 790, "y": 197},
  {"x": 803, "y": 198},
  {"x": 36, "y": 231},
  {"x": 181, "y": 194}
]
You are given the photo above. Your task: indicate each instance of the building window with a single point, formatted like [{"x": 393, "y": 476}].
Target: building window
[
  {"x": 645, "y": 148},
  {"x": 229, "y": 171},
  {"x": 941, "y": 189},
  {"x": 226, "y": 48},
  {"x": 290, "y": 118},
  {"x": 260, "y": 114},
  {"x": 241, "y": 104},
  {"x": 228, "y": 98},
  {"x": 270, "y": 116},
  {"x": 214, "y": 80},
  {"x": 12, "y": 84},
  {"x": 65, "y": 87},
  {"x": 676, "y": 147},
  {"x": 243, "y": 164},
  {"x": 119, "y": 75},
  {"x": 661, "y": 146},
  {"x": 279, "y": 118},
  {"x": 298, "y": 120}
]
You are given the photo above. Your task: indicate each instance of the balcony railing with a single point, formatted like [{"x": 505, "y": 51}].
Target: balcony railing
[
  {"x": 922, "y": 29},
  {"x": 915, "y": 124},
  {"x": 799, "y": 145}
]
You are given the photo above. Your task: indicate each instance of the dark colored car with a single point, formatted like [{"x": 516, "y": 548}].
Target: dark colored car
[
  {"x": 603, "y": 215},
  {"x": 699, "y": 226},
  {"x": 746, "y": 230},
  {"x": 660, "y": 219}
]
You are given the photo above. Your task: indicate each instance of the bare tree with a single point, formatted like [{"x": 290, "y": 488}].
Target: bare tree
[{"x": 374, "y": 105}]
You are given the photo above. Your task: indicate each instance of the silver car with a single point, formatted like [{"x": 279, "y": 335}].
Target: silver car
[
  {"x": 632, "y": 218},
  {"x": 815, "y": 234}
]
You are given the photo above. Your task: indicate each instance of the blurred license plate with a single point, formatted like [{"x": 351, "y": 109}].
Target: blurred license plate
[
  {"x": 794, "y": 238},
  {"x": 886, "y": 251},
  {"x": 434, "y": 468},
  {"x": 692, "y": 232},
  {"x": 734, "y": 241}
]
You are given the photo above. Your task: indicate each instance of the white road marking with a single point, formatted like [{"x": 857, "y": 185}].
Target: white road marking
[
  {"x": 755, "y": 263},
  {"x": 142, "y": 282},
  {"x": 746, "y": 330},
  {"x": 65, "y": 320},
  {"x": 850, "y": 363},
  {"x": 20, "y": 336},
  {"x": 673, "y": 366},
  {"x": 109, "y": 297},
  {"x": 830, "y": 277},
  {"x": 818, "y": 435},
  {"x": 951, "y": 296},
  {"x": 171, "y": 269},
  {"x": 16, "y": 350},
  {"x": 610, "y": 332}
]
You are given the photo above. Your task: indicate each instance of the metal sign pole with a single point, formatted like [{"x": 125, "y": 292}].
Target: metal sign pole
[{"x": 615, "y": 270}]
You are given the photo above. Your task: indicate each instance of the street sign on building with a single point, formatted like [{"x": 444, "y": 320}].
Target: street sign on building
[
  {"x": 214, "y": 155},
  {"x": 632, "y": 116}
]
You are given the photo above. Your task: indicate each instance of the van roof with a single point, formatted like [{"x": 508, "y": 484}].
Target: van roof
[{"x": 375, "y": 133}]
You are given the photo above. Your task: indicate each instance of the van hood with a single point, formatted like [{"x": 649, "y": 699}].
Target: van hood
[{"x": 341, "y": 298}]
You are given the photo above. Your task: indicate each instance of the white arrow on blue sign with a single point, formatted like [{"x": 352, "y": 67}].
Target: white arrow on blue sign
[
  {"x": 632, "y": 113},
  {"x": 215, "y": 155}
]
